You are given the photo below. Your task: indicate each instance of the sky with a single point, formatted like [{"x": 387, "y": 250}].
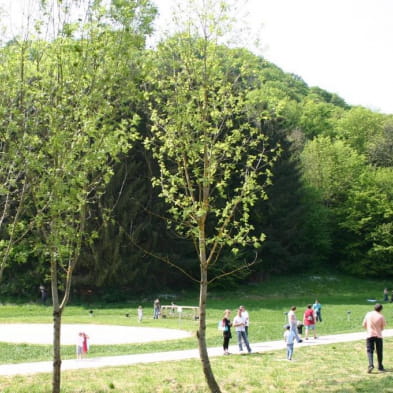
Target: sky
[{"x": 342, "y": 46}]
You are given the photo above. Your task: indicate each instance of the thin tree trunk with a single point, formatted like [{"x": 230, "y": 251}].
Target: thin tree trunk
[
  {"x": 207, "y": 370},
  {"x": 57, "y": 311},
  {"x": 56, "y": 377}
]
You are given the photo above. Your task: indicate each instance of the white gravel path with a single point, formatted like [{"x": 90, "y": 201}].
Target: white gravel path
[
  {"x": 99, "y": 334},
  {"x": 113, "y": 361}
]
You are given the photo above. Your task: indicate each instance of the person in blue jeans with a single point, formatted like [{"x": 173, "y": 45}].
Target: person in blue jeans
[
  {"x": 240, "y": 326},
  {"x": 317, "y": 307},
  {"x": 289, "y": 338}
]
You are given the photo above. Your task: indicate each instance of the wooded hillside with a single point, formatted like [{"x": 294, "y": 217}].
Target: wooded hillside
[{"x": 329, "y": 204}]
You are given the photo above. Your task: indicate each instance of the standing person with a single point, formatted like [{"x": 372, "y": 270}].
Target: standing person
[
  {"x": 317, "y": 307},
  {"x": 385, "y": 295},
  {"x": 85, "y": 344},
  {"x": 292, "y": 321},
  {"x": 289, "y": 338},
  {"x": 156, "y": 308},
  {"x": 309, "y": 317},
  {"x": 240, "y": 325},
  {"x": 140, "y": 314},
  {"x": 246, "y": 318},
  {"x": 44, "y": 294},
  {"x": 226, "y": 333},
  {"x": 79, "y": 346},
  {"x": 374, "y": 322}
]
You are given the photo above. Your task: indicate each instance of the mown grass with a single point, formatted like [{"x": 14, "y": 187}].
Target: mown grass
[
  {"x": 339, "y": 368},
  {"x": 336, "y": 368}
]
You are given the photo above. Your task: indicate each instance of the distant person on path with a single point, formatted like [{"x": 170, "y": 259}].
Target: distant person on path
[
  {"x": 292, "y": 321},
  {"x": 374, "y": 322},
  {"x": 140, "y": 314},
  {"x": 156, "y": 308},
  {"x": 44, "y": 294},
  {"x": 385, "y": 295},
  {"x": 85, "y": 345},
  {"x": 82, "y": 346},
  {"x": 317, "y": 307},
  {"x": 309, "y": 317},
  {"x": 226, "y": 333},
  {"x": 246, "y": 318},
  {"x": 289, "y": 338},
  {"x": 240, "y": 325}
]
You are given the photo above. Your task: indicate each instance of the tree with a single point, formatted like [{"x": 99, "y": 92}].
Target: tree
[
  {"x": 214, "y": 160},
  {"x": 71, "y": 134},
  {"x": 332, "y": 167},
  {"x": 358, "y": 127},
  {"x": 366, "y": 221}
]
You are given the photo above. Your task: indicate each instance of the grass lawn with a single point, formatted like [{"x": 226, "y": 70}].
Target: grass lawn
[{"x": 333, "y": 368}]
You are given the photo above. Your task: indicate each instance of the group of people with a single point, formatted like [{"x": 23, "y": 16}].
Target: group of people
[
  {"x": 374, "y": 323},
  {"x": 240, "y": 323},
  {"x": 312, "y": 315}
]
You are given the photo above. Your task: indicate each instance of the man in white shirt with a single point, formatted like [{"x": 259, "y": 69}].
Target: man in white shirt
[
  {"x": 246, "y": 318},
  {"x": 239, "y": 323}
]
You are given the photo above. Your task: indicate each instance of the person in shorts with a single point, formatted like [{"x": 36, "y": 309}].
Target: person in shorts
[{"x": 309, "y": 319}]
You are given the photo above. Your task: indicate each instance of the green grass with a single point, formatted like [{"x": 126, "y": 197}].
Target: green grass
[
  {"x": 336, "y": 368},
  {"x": 339, "y": 368}
]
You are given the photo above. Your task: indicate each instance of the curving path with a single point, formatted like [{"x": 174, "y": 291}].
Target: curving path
[{"x": 113, "y": 361}]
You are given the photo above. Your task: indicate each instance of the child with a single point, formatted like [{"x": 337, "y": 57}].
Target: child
[
  {"x": 140, "y": 314},
  {"x": 289, "y": 337},
  {"x": 79, "y": 346},
  {"x": 85, "y": 344}
]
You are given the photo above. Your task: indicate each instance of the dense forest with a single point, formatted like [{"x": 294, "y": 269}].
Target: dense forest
[{"x": 77, "y": 176}]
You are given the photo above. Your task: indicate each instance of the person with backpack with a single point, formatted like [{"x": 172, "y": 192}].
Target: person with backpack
[{"x": 309, "y": 318}]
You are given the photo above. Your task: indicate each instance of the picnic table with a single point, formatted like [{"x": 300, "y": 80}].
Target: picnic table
[{"x": 174, "y": 310}]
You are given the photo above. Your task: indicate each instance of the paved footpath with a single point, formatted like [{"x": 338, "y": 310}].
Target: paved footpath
[{"x": 124, "y": 360}]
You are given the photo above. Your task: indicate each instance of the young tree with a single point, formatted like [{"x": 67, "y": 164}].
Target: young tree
[
  {"x": 214, "y": 160},
  {"x": 70, "y": 130}
]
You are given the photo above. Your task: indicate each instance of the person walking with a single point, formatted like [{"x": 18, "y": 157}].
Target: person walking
[
  {"x": 226, "y": 330},
  {"x": 374, "y": 322},
  {"x": 317, "y": 307},
  {"x": 289, "y": 338},
  {"x": 309, "y": 317},
  {"x": 246, "y": 318},
  {"x": 292, "y": 322},
  {"x": 156, "y": 309},
  {"x": 239, "y": 323}
]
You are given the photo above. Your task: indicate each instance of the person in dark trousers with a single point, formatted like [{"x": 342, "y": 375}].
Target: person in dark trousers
[
  {"x": 385, "y": 295},
  {"x": 226, "y": 331},
  {"x": 374, "y": 322},
  {"x": 44, "y": 294}
]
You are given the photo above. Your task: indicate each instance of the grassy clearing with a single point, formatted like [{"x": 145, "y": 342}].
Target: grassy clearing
[
  {"x": 266, "y": 303},
  {"x": 339, "y": 368}
]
